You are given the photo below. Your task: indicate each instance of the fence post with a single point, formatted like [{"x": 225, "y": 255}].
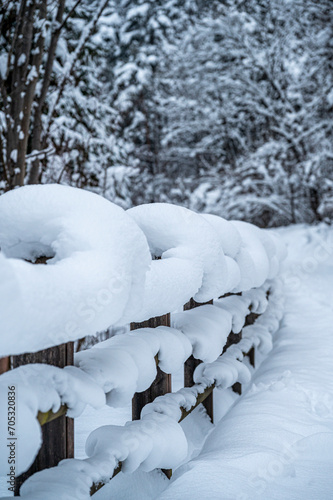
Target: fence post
[
  {"x": 192, "y": 363},
  {"x": 234, "y": 338},
  {"x": 250, "y": 319},
  {"x": 4, "y": 364},
  {"x": 162, "y": 382},
  {"x": 58, "y": 435}
]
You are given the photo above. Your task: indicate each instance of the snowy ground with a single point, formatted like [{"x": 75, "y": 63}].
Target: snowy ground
[{"x": 276, "y": 441}]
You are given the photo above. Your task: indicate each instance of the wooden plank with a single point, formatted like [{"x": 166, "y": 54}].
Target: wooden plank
[
  {"x": 191, "y": 364},
  {"x": 250, "y": 320},
  {"x": 57, "y": 435},
  {"x": 4, "y": 364},
  {"x": 252, "y": 356},
  {"x": 201, "y": 398},
  {"x": 162, "y": 382},
  {"x": 234, "y": 338},
  {"x": 69, "y": 422}
]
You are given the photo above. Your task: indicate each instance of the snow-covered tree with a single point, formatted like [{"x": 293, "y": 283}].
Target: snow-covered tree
[
  {"x": 223, "y": 106},
  {"x": 45, "y": 49},
  {"x": 252, "y": 109},
  {"x": 146, "y": 35}
]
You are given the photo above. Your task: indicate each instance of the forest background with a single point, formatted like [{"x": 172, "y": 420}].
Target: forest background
[{"x": 222, "y": 106}]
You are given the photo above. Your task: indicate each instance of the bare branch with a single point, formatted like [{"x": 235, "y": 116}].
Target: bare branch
[
  {"x": 68, "y": 70},
  {"x": 70, "y": 13},
  {"x": 70, "y": 65}
]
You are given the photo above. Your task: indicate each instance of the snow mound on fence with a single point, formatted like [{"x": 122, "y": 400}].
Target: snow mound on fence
[
  {"x": 113, "y": 370},
  {"x": 227, "y": 233},
  {"x": 207, "y": 328},
  {"x": 101, "y": 268},
  {"x": 98, "y": 260},
  {"x": 154, "y": 441},
  {"x": 40, "y": 387},
  {"x": 27, "y": 433},
  {"x": 157, "y": 440},
  {"x": 185, "y": 241}
]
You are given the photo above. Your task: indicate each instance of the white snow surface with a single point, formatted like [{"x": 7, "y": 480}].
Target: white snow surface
[
  {"x": 228, "y": 234},
  {"x": 44, "y": 387},
  {"x": 125, "y": 364},
  {"x": 207, "y": 328},
  {"x": 227, "y": 368},
  {"x": 253, "y": 258},
  {"x": 27, "y": 433},
  {"x": 100, "y": 269},
  {"x": 176, "y": 233},
  {"x": 154, "y": 441},
  {"x": 157, "y": 440},
  {"x": 40, "y": 387},
  {"x": 99, "y": 258},
  {"x": 276, "y": 441},
  {"x": 112, "y": 371}
]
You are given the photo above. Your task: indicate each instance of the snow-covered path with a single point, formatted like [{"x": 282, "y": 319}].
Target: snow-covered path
[{"x": 277, "y": 442}]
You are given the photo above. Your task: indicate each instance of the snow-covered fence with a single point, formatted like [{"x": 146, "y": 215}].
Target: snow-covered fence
[
  {"x": 190, "y": 365},
  {"x": 162, "y": 381},
  {"x": 102, "y": 270}
]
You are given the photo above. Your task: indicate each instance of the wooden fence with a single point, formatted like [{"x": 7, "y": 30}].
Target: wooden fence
[{"x": 58, "y": 430}]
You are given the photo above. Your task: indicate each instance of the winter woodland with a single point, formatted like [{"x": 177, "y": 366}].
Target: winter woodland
[{"x": 220, "y": 106}]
